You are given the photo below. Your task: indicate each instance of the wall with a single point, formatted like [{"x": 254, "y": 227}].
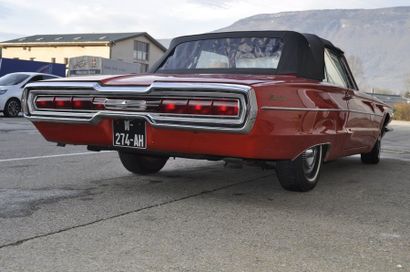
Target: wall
[
  {"x": 46, "y": 53},
  {"x": 124, "y": 50}
]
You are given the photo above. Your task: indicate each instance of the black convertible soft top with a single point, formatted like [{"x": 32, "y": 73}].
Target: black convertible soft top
[{"x": 302, "y": 54}]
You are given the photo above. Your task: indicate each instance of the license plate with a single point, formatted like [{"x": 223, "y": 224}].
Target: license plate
[{"x": 129, "y": 133}]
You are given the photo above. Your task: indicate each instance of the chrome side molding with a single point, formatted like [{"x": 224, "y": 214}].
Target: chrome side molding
[{"x": 316, "y": 110}]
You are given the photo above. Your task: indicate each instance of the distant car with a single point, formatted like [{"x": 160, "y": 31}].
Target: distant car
[
  {"x": 271, "y": 98},
  {"x": 11, "y": 89}
]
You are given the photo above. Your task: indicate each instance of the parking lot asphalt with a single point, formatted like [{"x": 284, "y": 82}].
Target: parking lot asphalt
[{"x": 67, "y": 209}]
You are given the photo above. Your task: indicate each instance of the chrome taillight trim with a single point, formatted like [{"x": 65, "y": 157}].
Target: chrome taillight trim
[
  {"x": 243, "y": 123},
  {"x": 129, "y": 104}
]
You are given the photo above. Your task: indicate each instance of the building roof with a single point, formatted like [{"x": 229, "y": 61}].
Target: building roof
[{"x": 80, "y": 38}]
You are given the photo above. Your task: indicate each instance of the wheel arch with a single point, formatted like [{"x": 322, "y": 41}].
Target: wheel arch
[
  {"x": 13, "y": 97},
  {"x": 326, "y": 150},
  {"x": 386, "y": 120}
]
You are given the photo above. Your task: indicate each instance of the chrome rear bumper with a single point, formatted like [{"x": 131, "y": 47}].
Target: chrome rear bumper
[{"x": 243, "y": 123}]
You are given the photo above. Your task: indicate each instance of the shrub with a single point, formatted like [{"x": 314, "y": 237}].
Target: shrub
[{"x": 402, "y": 111}]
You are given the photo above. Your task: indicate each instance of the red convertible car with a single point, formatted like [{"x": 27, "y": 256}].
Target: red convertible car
[{"x": 277, "y": 97}]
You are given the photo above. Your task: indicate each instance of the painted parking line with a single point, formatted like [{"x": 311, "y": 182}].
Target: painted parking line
[
  {"x": 395, "y": 158},
  {"x": 53, "y": 156}
]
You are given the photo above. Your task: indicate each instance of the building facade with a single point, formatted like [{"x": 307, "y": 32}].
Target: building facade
[{"x": 136, "y": 47}]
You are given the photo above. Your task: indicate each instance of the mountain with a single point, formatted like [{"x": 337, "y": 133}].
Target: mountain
[{"x": 376, "y": 41}]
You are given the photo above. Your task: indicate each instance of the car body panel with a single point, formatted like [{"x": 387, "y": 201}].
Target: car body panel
[
  {"x": 293, "y": 115},
  {"x": 281, "y": 115}
]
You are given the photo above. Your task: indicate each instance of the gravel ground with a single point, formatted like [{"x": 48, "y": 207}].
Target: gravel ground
[{"x": 66, "y": 209}]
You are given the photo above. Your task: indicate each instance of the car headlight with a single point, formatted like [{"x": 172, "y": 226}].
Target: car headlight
[{"x": 3, "y": 91}]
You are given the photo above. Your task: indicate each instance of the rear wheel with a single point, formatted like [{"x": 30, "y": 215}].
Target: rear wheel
[
  {"x": 12, "y": 108},
  {"x": 373, "y": 157},
  {"x": 302, "y": 174},
  {"x": 142, "y": 164}
]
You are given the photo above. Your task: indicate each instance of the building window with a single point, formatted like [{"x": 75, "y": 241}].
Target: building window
[
  {"x": 53, "y": 60},
  {"x": 143, "y": 67},
  {"x": 141, "y": 50}
]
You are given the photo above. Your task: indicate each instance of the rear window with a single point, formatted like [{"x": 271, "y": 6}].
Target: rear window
[
  {"x": 225, "y": 53},
  {"x": 12, "y": 79}
]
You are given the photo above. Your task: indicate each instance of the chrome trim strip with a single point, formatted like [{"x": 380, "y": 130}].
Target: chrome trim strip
[
  {"x": 100, "y": 115},
  {"x": 351, "y": 130},
  {"x": 240, "y": 124},
  {"x": 297, "y": 109},
  {"x": 363, "y": 112},
  {"x": 67, "y": 85},
  {"x": 316, "y": 109}
]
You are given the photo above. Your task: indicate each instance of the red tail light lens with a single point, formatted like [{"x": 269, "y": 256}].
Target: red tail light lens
[
  {"x": 98, "y": 103},
  {"x": 83, "y": 103},
  {"x": 68, "y": 102},
  {"x": 45, "y": 102},
  {"x": 178, "y": 106},
  {"x": 63, "y": 102},
  {"x": 201, "y": 107},
  {"x": 225, "y": 107}
]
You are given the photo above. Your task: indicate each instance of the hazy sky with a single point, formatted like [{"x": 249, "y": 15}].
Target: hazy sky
[{"x": 162, "y": 19}]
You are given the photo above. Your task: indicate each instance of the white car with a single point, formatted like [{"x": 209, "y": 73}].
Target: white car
[{"x": 11, "y": 89}]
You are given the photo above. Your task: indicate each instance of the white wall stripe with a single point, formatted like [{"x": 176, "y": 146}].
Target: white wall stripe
[{"x": 52, "y": 156}]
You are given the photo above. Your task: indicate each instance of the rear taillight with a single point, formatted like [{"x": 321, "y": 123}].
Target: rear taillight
[
  {"x": 45, "y": 102},
  {"x": 99, "y": 103},
  {"x": 200, "y": 107},
  {"x": 69, "y": 102},
  {"x": 212, "y": 107},
  {"x": 225, "y": 107},
  {"x": 63, "y": 102},
  {"x": 178, "y": 106},
  {"x": 83, "y": 103}
]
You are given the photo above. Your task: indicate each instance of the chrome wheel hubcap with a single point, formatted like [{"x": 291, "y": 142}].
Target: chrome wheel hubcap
[
  {"x": 311, "y": 162},
  {"x": 13, "y": 108}
]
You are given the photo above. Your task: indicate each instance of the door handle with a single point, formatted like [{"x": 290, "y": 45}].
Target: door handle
[{"x": 347, "y": 96}]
